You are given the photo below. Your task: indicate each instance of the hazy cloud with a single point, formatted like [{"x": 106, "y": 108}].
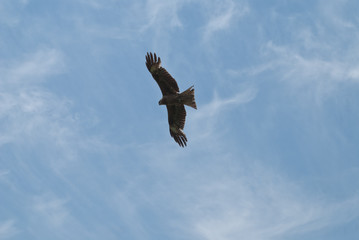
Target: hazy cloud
[
  {"x": 259, "y": 204},
  {"x": 7, "y": 229},
  {"x": 52, "y": 210},
  {"x": 222, "y": 17}
]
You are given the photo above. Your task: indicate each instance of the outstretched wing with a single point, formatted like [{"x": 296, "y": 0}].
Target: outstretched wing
[
  {"x": 176, "y": 121},
  {"x": 165, "y": 81}
]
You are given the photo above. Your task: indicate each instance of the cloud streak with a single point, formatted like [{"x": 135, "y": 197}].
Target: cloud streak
[
  {"x": 222, "y": 18},
  {"x": 7, "y": 229},
  {"x": 26, "y": 106},
  {"x": 52, "y": 210},
  {"x": 218, "y": 104},
  {"x": 231, "y": 196},
  {"x": 35, "y": 67},
  {"x": 204, "y": 123},
  {"x": 259, "y": 205}
]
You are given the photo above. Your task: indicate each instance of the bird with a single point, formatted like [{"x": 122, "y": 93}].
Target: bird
[{"x": 172, "y": 98}]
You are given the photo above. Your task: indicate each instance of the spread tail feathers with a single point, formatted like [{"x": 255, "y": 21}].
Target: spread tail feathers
[{"x": 188, "y": 97}]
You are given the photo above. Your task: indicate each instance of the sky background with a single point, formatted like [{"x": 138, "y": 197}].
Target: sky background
[{"x": 85, "y": 150}]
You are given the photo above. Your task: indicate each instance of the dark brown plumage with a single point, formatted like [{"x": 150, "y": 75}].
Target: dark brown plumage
[{"x": 172, "y": 98}]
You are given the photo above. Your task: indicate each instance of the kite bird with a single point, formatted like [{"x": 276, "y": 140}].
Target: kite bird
[{"x": 172, "y": 98}]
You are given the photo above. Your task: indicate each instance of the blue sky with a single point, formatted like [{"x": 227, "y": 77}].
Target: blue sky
[{"x": 85, "y": 150}]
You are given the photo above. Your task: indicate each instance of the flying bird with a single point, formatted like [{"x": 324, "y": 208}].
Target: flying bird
[{"x": 172, "y": 98}]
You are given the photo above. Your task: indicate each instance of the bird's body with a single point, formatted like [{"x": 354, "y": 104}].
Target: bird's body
[{"x": 172, "y": 98}]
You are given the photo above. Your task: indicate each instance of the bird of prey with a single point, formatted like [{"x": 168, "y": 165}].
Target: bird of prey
[{"x": 172, "y": 98}]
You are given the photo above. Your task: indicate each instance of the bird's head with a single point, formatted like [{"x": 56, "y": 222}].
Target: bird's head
[{"x": 160, "y": 102}]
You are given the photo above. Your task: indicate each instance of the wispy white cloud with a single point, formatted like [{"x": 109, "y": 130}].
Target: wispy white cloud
[
  {"x": 316, "y": 77},
  {"x": 222, "y": 17},
  {"x": 155, "y": 20},
  {"x": 33, "y": 67},
  {"x": 96, "y": 3},
  {"x": 334, "y": 12},
  {"x": 9, "y": 14},
  {"x": 129, "y": 212},
  {"x": 221, "y": 104},
  {"x": 51, "y": 210},
  {"x": 312, "y": 60},
  {"x": 259, "y": 204},
  {"x": 7, "y": 229},
  {"x": 353, "y": 73},
  {"x": 34, "y": 116},
  {"x": 39, "y": 122},
  {"x": 149, "y": 20},
  {"x": 202, "y": 123},
  {"x": 3, "y": 172},
  {"x": 24, "y": 103},
  {"x": 306, "y": 69},
  {"x": 311, "y": 66},
  {"x": 223, "y": 196},
  {"x": 252, "y": 71},
  {"x": 161, "y": 13}
]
